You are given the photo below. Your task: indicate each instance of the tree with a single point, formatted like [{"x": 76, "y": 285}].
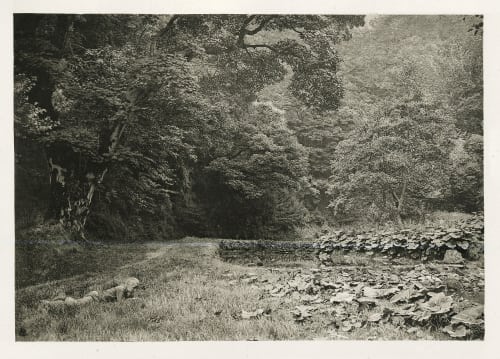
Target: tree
[
  {"x": 466, "y": 182},
  {"x": 394, "y": 163},
  {"x": 252, "y": 175},
  {"x": 431, "y": 62},
  {"x": 318, "y": 132},
  {"x": 446, "y": 57},
  {"x": 135, "y": 95}
]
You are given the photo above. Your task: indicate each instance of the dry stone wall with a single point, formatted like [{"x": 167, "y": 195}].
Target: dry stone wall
[{"x": 454, "y": 244}]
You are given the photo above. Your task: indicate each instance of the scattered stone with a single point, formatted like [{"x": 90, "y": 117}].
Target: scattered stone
[
  {"x": 459, "y": 332},
  {"x": 453, "y": 256},
  {"x": 471, "y": 316},
  {"x": 378, "y": 293},
  {"x": 251, "y": 315},
  {"x": 302, "y": 312},
  {"x": 249, "y": 280},
  {"x": 374, "y": 317},
  {"x": 342, "y": 298}
]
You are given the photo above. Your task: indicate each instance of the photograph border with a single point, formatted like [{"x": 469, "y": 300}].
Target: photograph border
[{"x": 288, "y": 349}]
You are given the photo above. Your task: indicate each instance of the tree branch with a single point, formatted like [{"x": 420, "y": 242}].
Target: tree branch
[
  {"x": 256, "y": 46},
  {"x": 297, "y": 31},
  {"x": 261, "y": 26},
  {"x": 395, "y": 197},
  {"x": 169, "y": 25},
  {"x": 232, "y": 156},
  {"x": 68, "y": 37},
  {"x": 244, "y": 31},
  {"x": 403, "y": 193}
]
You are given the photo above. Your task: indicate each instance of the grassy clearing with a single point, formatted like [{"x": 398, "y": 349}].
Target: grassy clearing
[
  {"x": 185, "y": 287},
  {"x": 187, "y": 293}
]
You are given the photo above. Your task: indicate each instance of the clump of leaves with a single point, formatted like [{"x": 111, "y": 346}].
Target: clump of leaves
[{"x": 466, "y": 238}]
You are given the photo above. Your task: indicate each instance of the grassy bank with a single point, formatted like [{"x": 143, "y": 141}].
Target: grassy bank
[
  {"x": 42, "y": 262},
  {"x": 186, "y": 293}
]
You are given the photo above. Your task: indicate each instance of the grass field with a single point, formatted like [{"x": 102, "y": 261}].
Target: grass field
[{"x": 186, "y": 293}]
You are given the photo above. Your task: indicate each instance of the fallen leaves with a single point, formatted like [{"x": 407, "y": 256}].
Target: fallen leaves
[
  {"x": 354, "y": 297},
  {"x": 301, "y": 283},
  {"x": 438, "y": 304},
  {"x": 409, "y": 296},
  {"x": 378, "y": 292},
  {"x": 405, "y": 295}
]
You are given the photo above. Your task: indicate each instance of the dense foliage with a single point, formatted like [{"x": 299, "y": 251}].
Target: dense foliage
[
  {"x": 147, "y": 122},
  {"x": 152, "y": 126},
  {"x": 393, "y": 163},
  {"x": 417, "y": 141}
]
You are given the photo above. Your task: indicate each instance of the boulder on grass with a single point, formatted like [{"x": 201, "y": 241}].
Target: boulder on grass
[
  {"x": 475, "y": 251},
  {"x": 453, "y": 256}
]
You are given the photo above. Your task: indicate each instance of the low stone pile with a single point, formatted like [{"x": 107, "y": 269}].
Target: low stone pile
[{"x": 464, "y": 240}]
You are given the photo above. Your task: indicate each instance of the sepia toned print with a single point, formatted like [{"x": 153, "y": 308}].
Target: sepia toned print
[{"x": 248, "y": 177}]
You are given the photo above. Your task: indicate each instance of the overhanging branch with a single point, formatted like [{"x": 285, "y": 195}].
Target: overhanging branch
[
  {"x": 244, "y": 31},
  {"x": 261, "y": 25},
  {"x": 256, "y": 46},
  {"x": 169, "y": 25}
]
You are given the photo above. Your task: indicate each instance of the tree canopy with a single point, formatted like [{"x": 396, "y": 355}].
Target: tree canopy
[
  {"x": 162, "y": 106},
  {"x": 152, "y": 126}
]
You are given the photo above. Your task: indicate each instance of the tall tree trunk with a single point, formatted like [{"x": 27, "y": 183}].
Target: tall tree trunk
[
  {"x": 71, "y": 189},
  {"x": 401, "y": 201},
  {"x": 73, "y": 183},
  {"x": 399, "y": 218},
  {"x": 72, "y": 186}
]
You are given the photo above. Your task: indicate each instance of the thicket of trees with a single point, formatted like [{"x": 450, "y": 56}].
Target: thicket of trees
[
  {"x": 415, "y": 86},
  {"x": 152, "y": 126}
]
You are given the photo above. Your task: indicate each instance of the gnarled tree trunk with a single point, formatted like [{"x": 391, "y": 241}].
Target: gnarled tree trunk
[
  {"x": 73, "y": 179},
  {"x": 72, "y": 187}
]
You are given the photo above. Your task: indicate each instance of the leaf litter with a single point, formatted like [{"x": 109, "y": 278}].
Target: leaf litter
[{"x": 415, "y": 298}]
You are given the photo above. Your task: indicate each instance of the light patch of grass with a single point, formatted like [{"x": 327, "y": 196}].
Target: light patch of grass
[
  {"x": 183, "y": 290},
  {"x": 338, "y": 258},
  {"x": 446, "y": 219}
]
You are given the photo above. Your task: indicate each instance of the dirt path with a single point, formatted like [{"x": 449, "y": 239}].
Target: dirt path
[{"x": 159, "y": 249}]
